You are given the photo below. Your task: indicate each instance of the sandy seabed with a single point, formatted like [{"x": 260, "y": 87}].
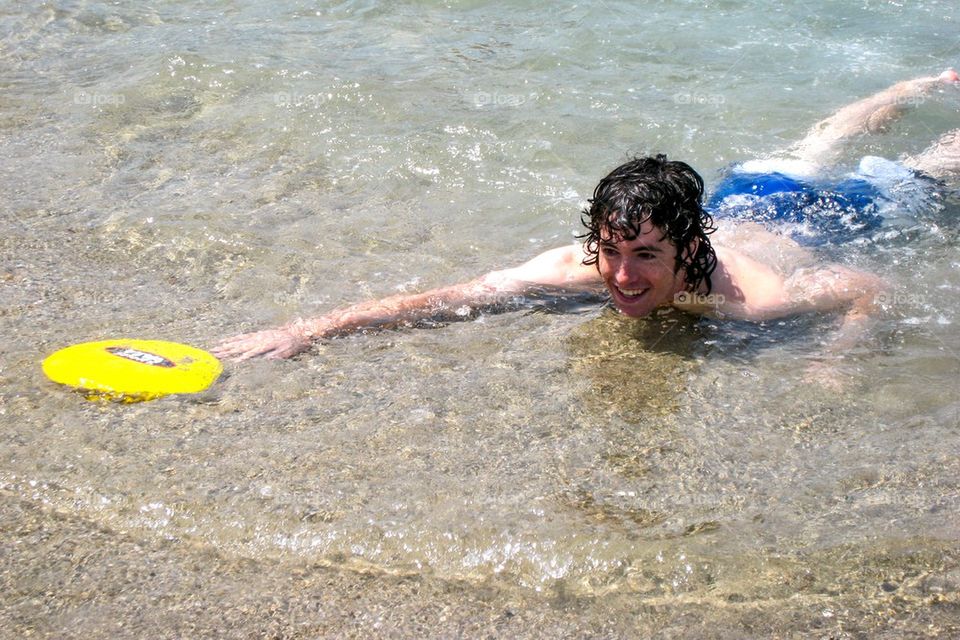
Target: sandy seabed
[{"x": 63, "y": 577}]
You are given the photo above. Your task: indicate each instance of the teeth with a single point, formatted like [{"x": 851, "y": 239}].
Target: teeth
[{"x": 631, "y": 292}]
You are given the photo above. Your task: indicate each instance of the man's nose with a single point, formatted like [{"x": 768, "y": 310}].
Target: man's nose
[{"x": 625, "y": 271}]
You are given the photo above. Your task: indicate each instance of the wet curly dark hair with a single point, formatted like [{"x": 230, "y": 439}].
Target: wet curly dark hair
[{"x": 667, "y": 193}]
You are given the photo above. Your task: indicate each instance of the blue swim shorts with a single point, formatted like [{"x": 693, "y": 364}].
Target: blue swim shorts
[{"x": 880, "y": 198}]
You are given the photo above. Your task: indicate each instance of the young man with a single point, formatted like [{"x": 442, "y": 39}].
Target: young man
[{"x": 647, "y": 244}]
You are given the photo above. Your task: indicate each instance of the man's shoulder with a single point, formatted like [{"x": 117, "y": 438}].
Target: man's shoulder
[
  {"x": 744, "y": 287},
  {"x": 557, "y": 267}
]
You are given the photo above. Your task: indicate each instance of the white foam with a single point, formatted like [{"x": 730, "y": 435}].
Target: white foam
[
  {"x": 787, "y": 166},
  {"x": 883, "y": 170}
]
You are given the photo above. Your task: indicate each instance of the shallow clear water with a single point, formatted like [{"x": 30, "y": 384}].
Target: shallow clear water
[{"x": 198, "y": 169}]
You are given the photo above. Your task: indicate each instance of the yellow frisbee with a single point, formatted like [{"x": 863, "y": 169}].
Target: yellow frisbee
[{"x": 132, "y": 370}]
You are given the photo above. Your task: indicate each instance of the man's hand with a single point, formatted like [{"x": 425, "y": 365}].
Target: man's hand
[{"x": 274, "y": 344}]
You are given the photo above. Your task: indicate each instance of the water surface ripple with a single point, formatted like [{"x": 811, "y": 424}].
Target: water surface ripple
[{"x": 197, "y": 169}]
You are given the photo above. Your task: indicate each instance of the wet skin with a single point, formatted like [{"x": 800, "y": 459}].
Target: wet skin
[{"x": 641, "y": 273}]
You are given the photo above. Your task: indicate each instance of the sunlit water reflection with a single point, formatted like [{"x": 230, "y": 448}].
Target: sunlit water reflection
[{"x": 184, "y": 173}]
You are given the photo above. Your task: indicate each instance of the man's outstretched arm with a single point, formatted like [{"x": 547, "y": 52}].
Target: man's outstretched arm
[
  {"x": 558, "y": 269},
  {"x": 758, "y": 294},
  {"x": 857, "y": 294}
]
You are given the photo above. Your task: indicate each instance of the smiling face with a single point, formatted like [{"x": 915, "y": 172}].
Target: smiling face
[
  {"x": 639, "y": 216},
  {"x": 640, "y": 274}
]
